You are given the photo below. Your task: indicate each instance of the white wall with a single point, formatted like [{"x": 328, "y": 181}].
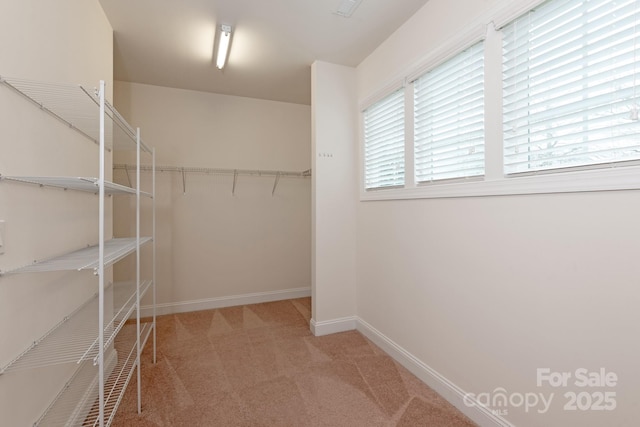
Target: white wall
[
  {"x": 484, "y": 291},
  {"x": 66, "y": 41},
  {"x": 213, "y": 245},
  {"x": 334, "y": 191}
]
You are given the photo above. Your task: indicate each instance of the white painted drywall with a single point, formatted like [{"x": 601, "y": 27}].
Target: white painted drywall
[
  {"x": 487, "y": 290},
  {"x": 65, "y": 41},
  {"x": 212, "y": 244},
  {"x": 334, "y": 131}
]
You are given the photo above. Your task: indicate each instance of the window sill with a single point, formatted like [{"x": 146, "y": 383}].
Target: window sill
[{"x": 610, "y": 179}]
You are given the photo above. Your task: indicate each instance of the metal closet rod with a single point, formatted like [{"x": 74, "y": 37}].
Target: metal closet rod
[{"x": 216, "y": 171}]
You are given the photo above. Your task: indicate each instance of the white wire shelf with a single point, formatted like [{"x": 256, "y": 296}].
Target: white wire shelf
[
  {"x": 78, "y": 107},
  {"x": 215, "y": 171},
  {"x": 77, "y": 404},
  {"x": 75, "y": 339},
  {"x": 183, "y": 170},
  {"x": 84, "y": 259},
  {"x": 86, "y": 184}
]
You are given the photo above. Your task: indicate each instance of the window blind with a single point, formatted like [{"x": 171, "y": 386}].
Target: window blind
[
  {"x": 384, "y": 142},
  {"x": 449, "y": 118},
  {"x": 569, "y": 77}
]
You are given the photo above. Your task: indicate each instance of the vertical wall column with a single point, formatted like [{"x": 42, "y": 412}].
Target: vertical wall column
[{"x": 334, "y": 197}]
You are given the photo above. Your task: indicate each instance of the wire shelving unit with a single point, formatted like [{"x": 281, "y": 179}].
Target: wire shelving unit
[{"x": 104, "y": 340}]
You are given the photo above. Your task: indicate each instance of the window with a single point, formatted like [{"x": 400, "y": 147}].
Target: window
[
  {"x": 512, "y": 103},
  {"x": 384, "y": 142},
  {"x": 569, "y": 81},
  {"x": 449, "y": 118}
]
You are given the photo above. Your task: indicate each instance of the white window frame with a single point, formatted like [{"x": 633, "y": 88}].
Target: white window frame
[{"x": 610, "y": 177}]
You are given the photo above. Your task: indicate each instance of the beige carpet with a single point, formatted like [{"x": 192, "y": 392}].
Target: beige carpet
[{"x": 259, "y": 365}]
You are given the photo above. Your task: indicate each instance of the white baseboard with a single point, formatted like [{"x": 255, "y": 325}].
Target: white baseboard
[
  {"x": 333, "y": 326},
  {"x": 228, "y": 301},
  {"x": 451, "y": 392}
]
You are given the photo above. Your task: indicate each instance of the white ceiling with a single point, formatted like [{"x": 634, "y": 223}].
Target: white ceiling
[{"x": 274, "y": 42}]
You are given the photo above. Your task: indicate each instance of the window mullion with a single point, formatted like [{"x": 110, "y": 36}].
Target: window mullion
[{"x": 493, "y": 104}]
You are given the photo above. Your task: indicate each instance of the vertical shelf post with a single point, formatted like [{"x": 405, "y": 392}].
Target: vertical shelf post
[
  {"x": 138, "y": 267},
  {"x": 101, "y": 181},
  {"x": 153, "y": 237}
]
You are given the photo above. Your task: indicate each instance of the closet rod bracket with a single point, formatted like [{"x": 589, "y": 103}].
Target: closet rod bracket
[
  {"x": 275, "y": 183},
  {"x": 235, "y": 177}
]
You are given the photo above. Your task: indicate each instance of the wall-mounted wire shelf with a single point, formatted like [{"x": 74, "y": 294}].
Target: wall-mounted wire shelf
[
  {"x": 84, "y": 259},
  {"x": 215, "y": 171},
  {"x": 77, "y": 403},
  {"x": 78, "y": 108},
  {"x": 74, "y": 339},
  {"x": 183, "y": 170},
  {"x": 86, "y": 184}
]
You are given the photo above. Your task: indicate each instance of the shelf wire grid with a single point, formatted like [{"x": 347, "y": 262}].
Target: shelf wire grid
[
  {"x": 86, "y": 184},
  {"x": 77, "y": 107},
  {"x": 77, "y": 403},
  {"x": 84, "y": 259},
  {"x": 116, "y": 384},
  {"x": 74, "y": 339}
]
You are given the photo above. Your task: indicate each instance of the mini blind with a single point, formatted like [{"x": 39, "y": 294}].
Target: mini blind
[
  {"x": 449, "y": 118},
  {"x": 569, "y": 77},
  {"x": 384, "y": 142}
]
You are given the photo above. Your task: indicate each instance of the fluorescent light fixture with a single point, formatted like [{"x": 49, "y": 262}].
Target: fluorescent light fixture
[{"x": 223, "y": 45}]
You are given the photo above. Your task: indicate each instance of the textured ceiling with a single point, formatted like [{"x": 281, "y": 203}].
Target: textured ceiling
[{"x": 171, "y": 42}]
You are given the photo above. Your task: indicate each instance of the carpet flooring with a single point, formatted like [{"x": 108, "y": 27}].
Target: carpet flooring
[{"x": 259, "y": 365}]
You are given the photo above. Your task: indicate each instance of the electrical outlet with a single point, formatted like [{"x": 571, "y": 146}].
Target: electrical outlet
[{"x": 3, "y": 233}]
